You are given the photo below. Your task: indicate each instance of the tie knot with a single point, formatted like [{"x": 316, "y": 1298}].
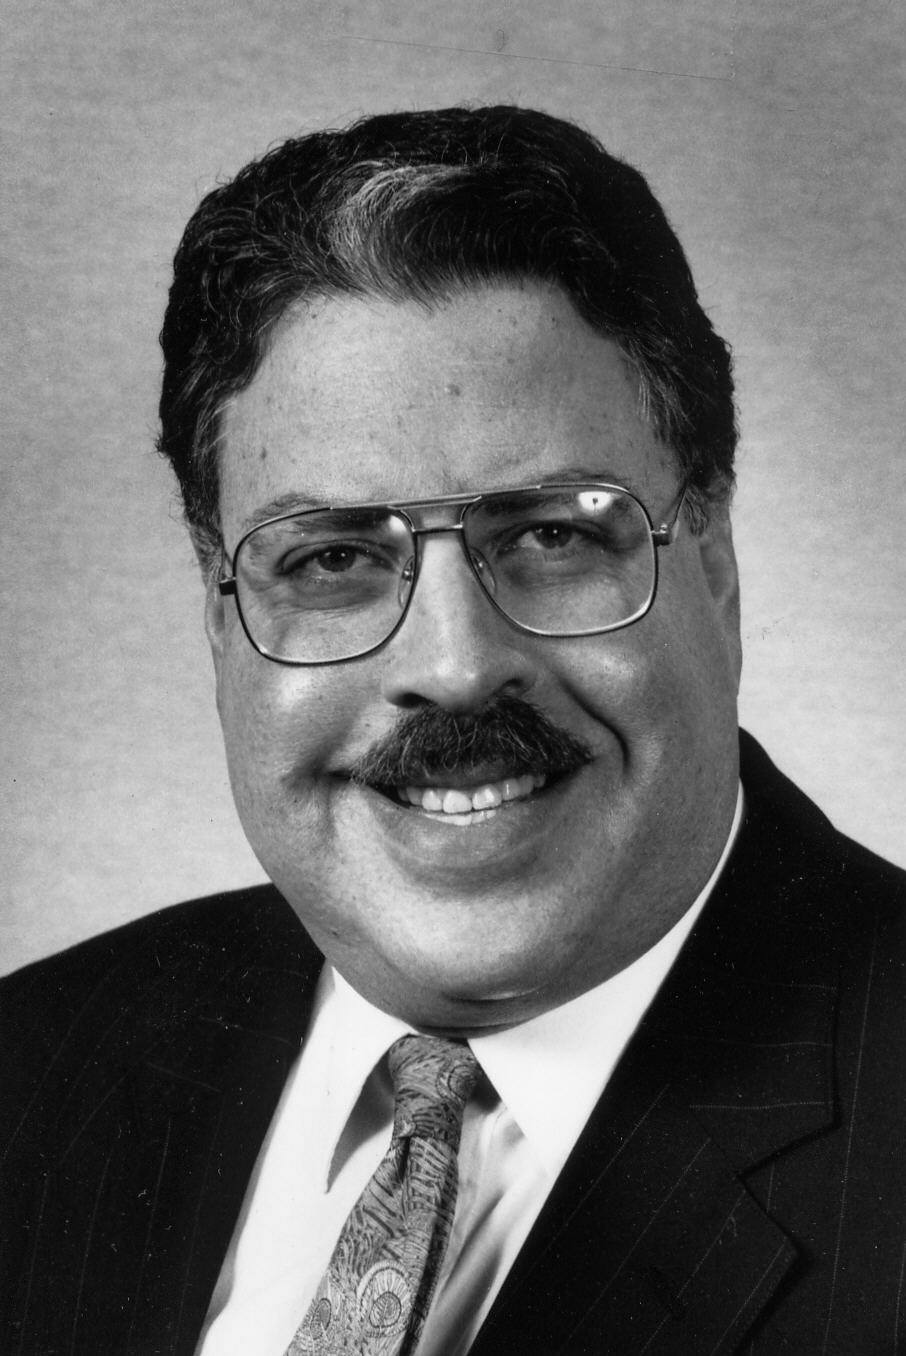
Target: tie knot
[{"x": 433, "y": 1079}]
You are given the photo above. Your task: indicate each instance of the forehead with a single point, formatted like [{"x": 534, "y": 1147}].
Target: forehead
[{"x": 366, "y": 399}]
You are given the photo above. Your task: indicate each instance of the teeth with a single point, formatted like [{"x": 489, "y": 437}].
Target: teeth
[{"x": 461, "y": 801}]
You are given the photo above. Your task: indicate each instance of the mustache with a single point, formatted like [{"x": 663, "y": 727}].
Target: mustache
[{"x": 509, "y": 731}]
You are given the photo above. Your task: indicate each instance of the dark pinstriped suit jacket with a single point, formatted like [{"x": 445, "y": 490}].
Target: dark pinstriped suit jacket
[{"x": 741, "y": 1187}]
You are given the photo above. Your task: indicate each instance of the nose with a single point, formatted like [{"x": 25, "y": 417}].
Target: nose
[{"x": 454, "y": 649}]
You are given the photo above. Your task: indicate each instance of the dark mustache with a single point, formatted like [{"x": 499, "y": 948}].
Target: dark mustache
[{"x": 509, "y": 730}]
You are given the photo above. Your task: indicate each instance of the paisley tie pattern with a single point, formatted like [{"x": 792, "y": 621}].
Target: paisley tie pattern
[{"x": 375, "y": 1294}]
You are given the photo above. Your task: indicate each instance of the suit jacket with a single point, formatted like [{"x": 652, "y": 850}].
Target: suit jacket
[{"x": 740, "y": 1187}]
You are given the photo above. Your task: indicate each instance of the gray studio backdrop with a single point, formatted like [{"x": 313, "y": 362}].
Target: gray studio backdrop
[{"x": 773, "y": 134}]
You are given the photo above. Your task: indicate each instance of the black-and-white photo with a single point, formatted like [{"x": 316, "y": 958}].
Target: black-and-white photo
[{"x": 453, "y": 581}]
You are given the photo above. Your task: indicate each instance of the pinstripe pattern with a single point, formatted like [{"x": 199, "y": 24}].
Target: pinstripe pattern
[
  {"x": 698, "y": 1266},
  {"x": 741, "y": 1186},
  {"x": 850, "y": 1130},
  {"x": 146, "y": 1247},
  {"x": 898, "y": 1329}
]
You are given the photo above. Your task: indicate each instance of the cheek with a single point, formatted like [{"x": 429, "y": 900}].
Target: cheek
[
  {"x": 618, "y": 681},
  {"x": 693, "y": 681},
  {"x": 661, "y": 685},
  {"x": 280, "y": 726}
]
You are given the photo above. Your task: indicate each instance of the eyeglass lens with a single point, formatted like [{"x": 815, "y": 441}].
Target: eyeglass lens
[{"x": 332, "y": 584}]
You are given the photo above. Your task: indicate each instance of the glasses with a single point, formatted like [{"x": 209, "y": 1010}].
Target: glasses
[{"x": 330, "y": 584}]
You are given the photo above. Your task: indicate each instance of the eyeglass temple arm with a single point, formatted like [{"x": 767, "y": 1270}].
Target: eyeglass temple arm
[
  {"x": 665, "y": 535},
  {"x": 225, "y": 583}
]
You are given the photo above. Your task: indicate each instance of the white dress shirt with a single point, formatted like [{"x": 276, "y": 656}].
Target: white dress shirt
[{"x": 332, "y": 1126}]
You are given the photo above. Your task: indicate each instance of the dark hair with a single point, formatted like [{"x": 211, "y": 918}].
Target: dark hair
[{"x": 418, "y": 205}]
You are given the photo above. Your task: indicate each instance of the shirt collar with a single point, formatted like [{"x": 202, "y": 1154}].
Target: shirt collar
[
  {"x": 358, "y": 1037},
  {"x": 549, "y": 1072}
]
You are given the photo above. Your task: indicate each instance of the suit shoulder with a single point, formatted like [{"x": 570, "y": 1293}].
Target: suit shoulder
[
  {"x": 215, "y": 923},
  {"x": 792, "y": 846},
  {"x": 152, "y": 965}
]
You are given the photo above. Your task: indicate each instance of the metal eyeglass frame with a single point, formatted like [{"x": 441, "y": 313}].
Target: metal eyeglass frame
[{"x": 664, "y": 535}]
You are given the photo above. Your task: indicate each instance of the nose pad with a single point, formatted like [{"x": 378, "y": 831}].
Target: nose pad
[
  {"x": 484, "y": 572},
  {"x": 407, "y": 579}
]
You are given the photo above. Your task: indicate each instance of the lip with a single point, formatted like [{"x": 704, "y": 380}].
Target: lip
[{"x": 426, "y": 846}]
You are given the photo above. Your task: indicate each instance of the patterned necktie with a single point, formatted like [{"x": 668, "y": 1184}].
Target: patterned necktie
[{"x": 375, "y": 1294}]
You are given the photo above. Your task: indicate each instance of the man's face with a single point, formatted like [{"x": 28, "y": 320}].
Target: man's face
[{"x": 472, "y": 922}]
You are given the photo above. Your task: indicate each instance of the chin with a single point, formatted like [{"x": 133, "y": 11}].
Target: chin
[{"x": 473, "y": 991}]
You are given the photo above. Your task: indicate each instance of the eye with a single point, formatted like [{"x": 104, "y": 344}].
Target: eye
[
  {"x": 335, "y": 559},
  {"x": 547, "y": 536}
]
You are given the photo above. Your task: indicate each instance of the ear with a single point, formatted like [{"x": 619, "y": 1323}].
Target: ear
[
  {"x": 215, "y": 618},
  {"x": 718, "y": 560},
  {"x": 208, "y": 553}
]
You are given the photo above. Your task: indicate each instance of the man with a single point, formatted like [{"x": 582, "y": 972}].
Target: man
[{"x": 455, "y": 441}]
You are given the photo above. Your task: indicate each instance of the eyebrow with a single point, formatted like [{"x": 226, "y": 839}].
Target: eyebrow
[
  {"x": 292, "y": 502},
  {"x": 295, "y": 502}
]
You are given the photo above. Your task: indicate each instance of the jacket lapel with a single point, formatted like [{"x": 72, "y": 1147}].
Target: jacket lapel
[
  {"x": 654, "y": 1238},
  {"x": 650, "y": 1243}
]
